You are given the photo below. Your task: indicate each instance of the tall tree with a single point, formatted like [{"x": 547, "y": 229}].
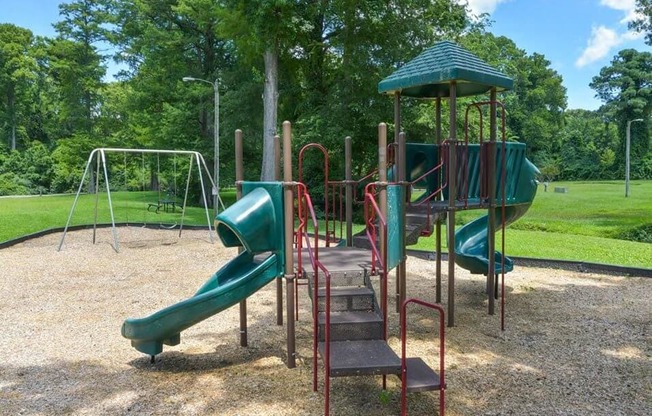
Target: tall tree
[
  {"x": 83, "y": 27},
  {"x": 163, "y": 41},
  {"x": 536, "y": 104},
  {"x": 644, "y": 22},
  {"x": 263, "y": 29},
  {"x": 17, "y": 70},
  {"x": 625, "y": 86},
  {"x": 346, "y": 48}
]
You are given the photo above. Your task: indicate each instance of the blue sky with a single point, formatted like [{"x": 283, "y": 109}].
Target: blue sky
[{"x": 578, "y": 37}]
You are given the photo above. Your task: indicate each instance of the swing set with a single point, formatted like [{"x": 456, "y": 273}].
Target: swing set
[{"x": 166, "y": 201}]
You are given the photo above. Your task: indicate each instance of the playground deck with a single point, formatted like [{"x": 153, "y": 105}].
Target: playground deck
[{"x": 574, "y": 343}]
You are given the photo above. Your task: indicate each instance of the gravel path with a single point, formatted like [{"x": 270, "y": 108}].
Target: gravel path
[{"x": 575, "y": 344}]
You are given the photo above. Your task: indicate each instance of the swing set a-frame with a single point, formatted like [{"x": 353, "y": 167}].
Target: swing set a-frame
[{"x": 98, "y": 159}]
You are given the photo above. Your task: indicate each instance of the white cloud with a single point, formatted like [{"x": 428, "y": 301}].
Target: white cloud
[
  {"x": 628, "y": 7},
  {"x": 604, "y": 39},
  {"x": 478, "y": 7},
  {"x": 601, "y": 42}
]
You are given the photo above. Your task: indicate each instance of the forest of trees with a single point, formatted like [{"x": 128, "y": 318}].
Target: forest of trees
[{"x": 315, "y": 63}]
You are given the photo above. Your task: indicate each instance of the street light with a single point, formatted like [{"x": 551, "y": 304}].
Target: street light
[
  {"x": 216, "y": 133},
  {"x": 629, "y": 124}
]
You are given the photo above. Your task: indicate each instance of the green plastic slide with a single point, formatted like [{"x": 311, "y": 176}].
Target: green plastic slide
[
  {"x": 237, "y": 280},
  {"x": 253, "y": 223},
  {"x": 471, "y": 243}
]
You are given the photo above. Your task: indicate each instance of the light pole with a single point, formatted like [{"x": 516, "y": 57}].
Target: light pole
[
  {"x": 627, "y": 146},
  {"x": 216, "y": 134}
]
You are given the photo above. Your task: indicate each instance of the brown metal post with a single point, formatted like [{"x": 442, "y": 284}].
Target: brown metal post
[
  {"x": 382, "y": 199},
  {"x": 397, "y": 115},
  {"x": 239, "y": 176},
  {"x": 491, "y": 215},
  {"x": 401, "y": 274},
  {"x": 438, "y": 222},
  {"x": 279, "y": 282},
  {"x": 289, "y": 230},
  {"x": 397, "y": 131},
  {"x": 348, "y": 191},
  {"x": 452, "y": 197}
]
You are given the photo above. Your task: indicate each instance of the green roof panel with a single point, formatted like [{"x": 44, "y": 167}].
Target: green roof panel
[{"x": 430, "y": 74}]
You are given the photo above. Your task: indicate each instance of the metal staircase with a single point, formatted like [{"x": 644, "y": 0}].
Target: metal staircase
[{"x": 350, "y": 320}]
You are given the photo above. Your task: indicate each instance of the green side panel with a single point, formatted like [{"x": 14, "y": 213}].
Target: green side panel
[
  {"x": 395, "y": 225},
  {"x": 255, "y": 221},
  {"x": 430, "y": 74},
  {"x": 520, "y": 178},
  {"x": 237, "y": 280}
]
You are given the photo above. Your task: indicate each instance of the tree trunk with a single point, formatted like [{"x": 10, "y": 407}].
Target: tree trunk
[
  {"x": 11, "y": 101},
  {"x": 270, "y": 110},
  {"x": 13, "y": 134}
]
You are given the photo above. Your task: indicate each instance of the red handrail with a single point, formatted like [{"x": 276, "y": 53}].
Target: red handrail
[
  {"x": 442, "y": 380},
  {"x": 317, "y": 265},
  {"x": 372, "y": 211}
]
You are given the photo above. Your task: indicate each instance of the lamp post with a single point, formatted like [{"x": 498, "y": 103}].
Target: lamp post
[
  {"x": 627, "y": 146},
  {"x": 216, "y": 134}
]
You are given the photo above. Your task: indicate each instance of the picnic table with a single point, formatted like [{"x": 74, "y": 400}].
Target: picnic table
[{"x": 168, "y": 205}]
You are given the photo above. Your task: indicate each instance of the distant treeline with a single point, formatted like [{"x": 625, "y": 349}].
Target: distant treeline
[{"x": 56, "y": 104}]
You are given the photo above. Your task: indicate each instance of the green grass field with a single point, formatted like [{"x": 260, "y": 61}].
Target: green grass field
[
  {"x": 26, "y": 215},
  {"x": 583, "y": 224}
]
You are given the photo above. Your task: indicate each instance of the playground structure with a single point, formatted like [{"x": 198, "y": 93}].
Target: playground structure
[
  {"x": 98, "y": 157},
  {"x": 350, "y": 323}
]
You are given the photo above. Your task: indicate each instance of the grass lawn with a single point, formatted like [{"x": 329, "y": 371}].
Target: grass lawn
[
  {"x": 583, "y": 224},
  {"x": 26, "y": 215}
]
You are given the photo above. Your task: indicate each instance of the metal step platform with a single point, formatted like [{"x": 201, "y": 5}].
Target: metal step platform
[
  {"x": 352, "y": 325},
  {"x": 420, "y": 377},
  {"x": 356, "y": 358},
  {"x": 341, "y": 262}
]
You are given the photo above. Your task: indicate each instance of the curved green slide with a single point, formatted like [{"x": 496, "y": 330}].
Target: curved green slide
[
  {"x": 471, "y": 243},
  {"x": 254, "y": 222}
]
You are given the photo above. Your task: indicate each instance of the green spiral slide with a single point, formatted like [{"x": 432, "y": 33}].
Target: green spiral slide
[
  {"x": 255, "y": 223},
  {"x": 471, "y": 243}
]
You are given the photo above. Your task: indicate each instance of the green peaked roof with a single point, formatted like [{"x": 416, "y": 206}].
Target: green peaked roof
[{"x": 430, "y": 74}]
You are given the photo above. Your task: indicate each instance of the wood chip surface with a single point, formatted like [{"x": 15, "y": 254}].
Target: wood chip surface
[{"x": 575, "y": 344}]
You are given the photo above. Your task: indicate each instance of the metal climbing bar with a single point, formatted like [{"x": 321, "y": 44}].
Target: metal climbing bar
[{"x": 416, "y": 376}]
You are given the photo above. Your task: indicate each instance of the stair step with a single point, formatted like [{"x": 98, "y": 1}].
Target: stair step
[
  {"x": 340, "y": 291},
  {"x": 356, "y": 358},
  {"x": 347, "y": 298},
  {"x": 420, "y": 377},
  {"x": 352, "y": 325},
  {"x": 341, "y": 262}
]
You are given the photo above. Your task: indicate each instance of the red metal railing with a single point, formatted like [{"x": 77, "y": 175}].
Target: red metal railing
[
  {"x": 304, "y": 207},
  {"x": 442, "y": 380},
  {"x": 337, "y": 190},
  {"x": 313, "y": 254},
  {"x": 434, "y": 170},
  {"x": 324, "y": 152},
  {"x": 372, "y": 214}
]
